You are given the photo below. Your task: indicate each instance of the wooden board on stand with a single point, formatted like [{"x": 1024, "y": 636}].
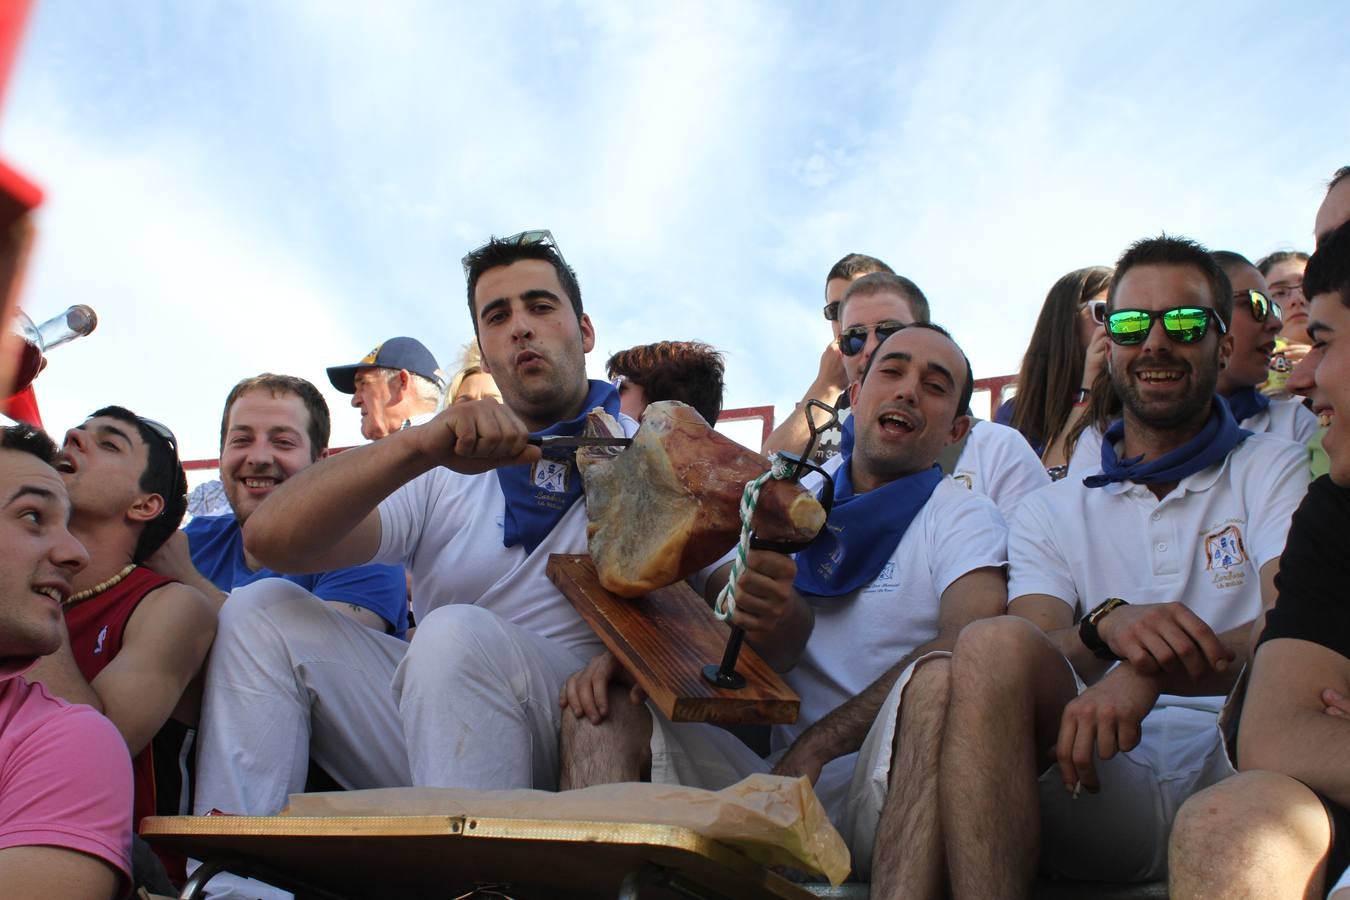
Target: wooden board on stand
[{"x": 664, "y": 639}]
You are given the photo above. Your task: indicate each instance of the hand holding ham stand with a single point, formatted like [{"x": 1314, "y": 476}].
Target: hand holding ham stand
[{"x": 788, "y": 467}]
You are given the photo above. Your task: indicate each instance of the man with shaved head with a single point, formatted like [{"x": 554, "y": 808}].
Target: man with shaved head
[{"x": 858, "y": 621}]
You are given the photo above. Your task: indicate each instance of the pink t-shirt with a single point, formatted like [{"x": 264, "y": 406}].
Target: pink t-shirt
[{"x": 65, "y": 774}]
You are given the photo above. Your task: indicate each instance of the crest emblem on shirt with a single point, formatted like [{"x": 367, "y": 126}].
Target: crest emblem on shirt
[
  {"x": 98, "y": 643},
  {"x": 966, "y": 479},
  {"x": 550, "y": 475},
  {"x": 1225, "y": 549},
  {"x": 1226, "y": 556}
]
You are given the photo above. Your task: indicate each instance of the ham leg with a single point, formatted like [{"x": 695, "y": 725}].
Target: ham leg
[{"x": 669, "y": 505}]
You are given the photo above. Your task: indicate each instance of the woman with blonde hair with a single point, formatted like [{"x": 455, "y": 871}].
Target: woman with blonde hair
[{"x": 471, "y": 382}]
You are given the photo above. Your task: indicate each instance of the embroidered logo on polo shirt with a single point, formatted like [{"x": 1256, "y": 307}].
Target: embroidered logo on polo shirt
[
  {"x": 550, "y": 475},
  {"x": 1226, "y": 556},
  {"x": 102, "y": 636},
  {"x": 965, "y": 478}
]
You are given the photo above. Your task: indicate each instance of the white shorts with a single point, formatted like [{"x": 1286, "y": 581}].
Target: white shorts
[
  {"x": 860, "y": 807},
  {"x": 852, "y": 788},
  {"x": 1121, "y": 832}
]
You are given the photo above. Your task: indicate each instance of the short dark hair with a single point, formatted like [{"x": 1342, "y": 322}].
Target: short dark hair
[
  {"x": 505, "y": 251},
  {"x": 27, "y": 439},
  {"x": 1328, "y": 269},
  {"x": 163, "y": 475},
  {"x": 1166, "y": 250},
  {"x": 1270, "y": 261},
  {"x": 688, "y": 371},
  {"x": 855, "y": 265},
  {"x": 967, "y": 390},
  {"x": 1337, "y": 177},
  {"x": 888, "y": 283},
  {"x": 320, "y": 423}
]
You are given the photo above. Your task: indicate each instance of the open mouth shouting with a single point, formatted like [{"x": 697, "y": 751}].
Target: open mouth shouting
[{"x": 897, "y": 422}]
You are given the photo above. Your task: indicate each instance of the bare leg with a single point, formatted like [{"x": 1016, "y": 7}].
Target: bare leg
[
  {"x": 1255, "y": 835},
  {"x": 618, "y": 749},
  {"x": 1009, "y": 686},
  {"x": 907, "y": 857}
]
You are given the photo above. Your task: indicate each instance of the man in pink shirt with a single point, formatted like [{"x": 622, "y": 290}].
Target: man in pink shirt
[{"x": 65, "y": 774}]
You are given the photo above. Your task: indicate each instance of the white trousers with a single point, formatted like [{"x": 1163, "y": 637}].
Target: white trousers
[{"x": 471, "y": 702}]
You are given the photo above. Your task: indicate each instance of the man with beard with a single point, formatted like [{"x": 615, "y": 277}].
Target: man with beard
[
  {"x": 473, "y": 511},
  {"x": 1144, "y": 582}
]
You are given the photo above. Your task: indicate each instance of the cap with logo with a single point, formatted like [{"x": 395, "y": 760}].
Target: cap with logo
[{"x": 395, "y": 353}]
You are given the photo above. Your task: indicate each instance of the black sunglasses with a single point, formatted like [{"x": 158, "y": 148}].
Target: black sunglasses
[
  {"x": 160, "y": 429},
  {"x": 541, "y": 236},
  {"x": 1262, "y": 307},
  {"x": 1183, "y": 324},
  {"x": 832, "y": 311},
  {"x": 852, "y": 340}
]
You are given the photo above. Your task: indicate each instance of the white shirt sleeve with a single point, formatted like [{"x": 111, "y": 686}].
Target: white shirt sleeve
[
  {"x": 403, "y": 516},
  {"x": 971, "y": 534},
  {"x": 1036, "y": 561},
  {"x": 1010, "y": 468},
  {"x": 1275, "y": 486}
]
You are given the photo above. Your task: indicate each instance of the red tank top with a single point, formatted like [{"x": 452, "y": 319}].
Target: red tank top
[{"x": 96, "y": 628}]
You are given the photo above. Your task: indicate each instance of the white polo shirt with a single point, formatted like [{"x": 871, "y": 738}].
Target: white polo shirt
[
  {"x": 996, "y": 461},
  {"x": 1286, "y": 418},
  {"x": 447, "y": 529},
  {"x": 859, "y": 636},
  {"x": 1203, "y": 545}
]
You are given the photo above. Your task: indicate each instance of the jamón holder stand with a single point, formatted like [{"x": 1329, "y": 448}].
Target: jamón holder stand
[{"x": 725, "y": 674}]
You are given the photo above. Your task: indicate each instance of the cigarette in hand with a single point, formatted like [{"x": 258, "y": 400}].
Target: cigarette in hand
[{"x": 1077, "y": 788}]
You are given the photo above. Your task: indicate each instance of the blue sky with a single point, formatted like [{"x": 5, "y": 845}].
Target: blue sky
[{"x": 244, "y": 186}]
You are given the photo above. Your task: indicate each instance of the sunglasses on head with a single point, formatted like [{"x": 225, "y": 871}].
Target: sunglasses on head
[
  {"x": 160, "y": 429},
  {"x": 1183, "y": 324},
  {"x": 852, "y": 340},
  {"x": 541, "y": 236},
  {"x": 1262, "y": 307}
]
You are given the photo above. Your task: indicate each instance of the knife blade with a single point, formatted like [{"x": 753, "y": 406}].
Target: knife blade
[{"x": 578, "y": 440}]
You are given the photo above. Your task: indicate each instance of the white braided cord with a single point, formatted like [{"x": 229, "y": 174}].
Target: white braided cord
[{"x": 780, "y": 468}]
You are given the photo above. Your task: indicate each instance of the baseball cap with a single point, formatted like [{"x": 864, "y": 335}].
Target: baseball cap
[{"x": 395, "y": 353}]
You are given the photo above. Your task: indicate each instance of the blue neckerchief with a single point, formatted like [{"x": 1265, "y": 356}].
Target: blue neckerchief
[
  {"x": 538, "y": 495},
  {"x": 862, "y": 532},
  {"x": 847, "y": 436},
  {"x": 1247, "y": 402},
  {"x": 1214, "y": 442}
]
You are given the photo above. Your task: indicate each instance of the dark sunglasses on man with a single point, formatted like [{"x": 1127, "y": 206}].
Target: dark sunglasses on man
[
  {"x": 852, "y": 340},
  {"x": 1183, "y": 324},
  {"x": 1262, "y": 307},
  {"x": 541, "y": 236}
]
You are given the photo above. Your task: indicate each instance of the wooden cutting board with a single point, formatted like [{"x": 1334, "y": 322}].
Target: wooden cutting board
[{"x": 664, "y": 639}]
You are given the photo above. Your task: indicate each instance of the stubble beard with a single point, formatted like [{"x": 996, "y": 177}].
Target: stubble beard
[{"x": 1168, "y": 416}]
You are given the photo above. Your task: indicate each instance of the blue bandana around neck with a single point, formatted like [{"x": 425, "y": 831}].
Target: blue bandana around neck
[
  {"x": 538, "y": 495},
  {"x": 1214, "y": 442},
  {"x": 1247, "y": 402},
  {"x": 862, "y": 532}
]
